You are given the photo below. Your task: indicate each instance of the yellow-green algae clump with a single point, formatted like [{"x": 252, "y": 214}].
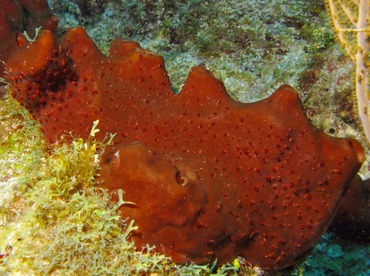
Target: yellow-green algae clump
[{"x": 53, "y": 218}]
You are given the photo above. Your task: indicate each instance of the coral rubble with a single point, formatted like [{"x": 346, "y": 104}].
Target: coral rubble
[{"x": 208, "y": 177}]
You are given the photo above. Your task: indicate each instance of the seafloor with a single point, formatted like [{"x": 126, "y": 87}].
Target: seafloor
[{"x": 254, "y": 47}]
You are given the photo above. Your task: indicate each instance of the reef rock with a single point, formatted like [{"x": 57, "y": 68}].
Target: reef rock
[{"x": 209, "y": 177}]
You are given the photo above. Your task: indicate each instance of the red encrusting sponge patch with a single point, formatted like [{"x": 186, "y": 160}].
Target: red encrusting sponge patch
[{"x": 210, "y": 177}]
